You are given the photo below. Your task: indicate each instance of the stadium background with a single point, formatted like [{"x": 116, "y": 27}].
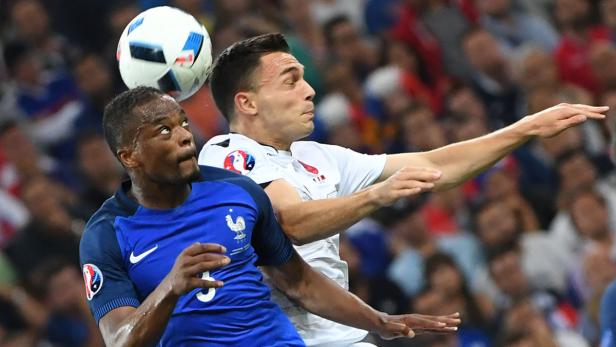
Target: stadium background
[{"x": 524, "y": 251}]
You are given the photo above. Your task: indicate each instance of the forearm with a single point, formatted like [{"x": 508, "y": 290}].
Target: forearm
[
  {"x": 322, "y": 296},
  {"x": 144, "y": 325},
  {"x": 313, "y": 220},
  {"x": 463, "y": 160}
]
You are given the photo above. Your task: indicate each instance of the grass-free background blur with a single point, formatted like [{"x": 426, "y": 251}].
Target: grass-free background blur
[{"x": 523, "y": 252}]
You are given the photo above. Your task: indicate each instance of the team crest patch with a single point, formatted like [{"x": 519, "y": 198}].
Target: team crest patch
[
  {"x": 93, "y": 278},
  {"x": 239, "y": 161}
]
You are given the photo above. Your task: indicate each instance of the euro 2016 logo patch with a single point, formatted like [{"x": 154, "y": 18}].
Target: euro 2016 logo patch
[
  {"x": 239, "y": 161},
  {"x": 93, "y": 278}
]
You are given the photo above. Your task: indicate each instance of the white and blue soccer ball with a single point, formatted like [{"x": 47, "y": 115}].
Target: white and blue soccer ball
[{"x": 165, "y": 48}]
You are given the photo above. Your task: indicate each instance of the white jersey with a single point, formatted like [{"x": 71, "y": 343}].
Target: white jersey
[{"x": 316, "y": 171}]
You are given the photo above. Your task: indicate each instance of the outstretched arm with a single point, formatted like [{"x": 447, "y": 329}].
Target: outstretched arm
[
  {"x": 461, "y": 161},
  {"x": 321, "y": 296},
  {"x": 308, "y": 221}
]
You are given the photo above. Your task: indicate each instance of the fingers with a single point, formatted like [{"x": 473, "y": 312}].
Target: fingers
[
  {"x": 419, "y": 174},
  {"x": 204, "y": 257},
  {"x": 412, "y": 184},
  {"x": 450, "y": 319},
  {"x": 433, "y": 323},
  {"x": 198, "y": 248},
  {"x": 598, "y": 109},
  {"x": 396, "y": 329},
  {"x": 577, "y": 110},
  {"x": 412, "y": 180},
  {"x": 200, "y": 283},
  {"x": 215, "y": 261}
]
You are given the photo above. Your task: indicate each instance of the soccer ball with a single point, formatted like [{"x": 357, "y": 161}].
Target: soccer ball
[{"x": 165, "y": 48}]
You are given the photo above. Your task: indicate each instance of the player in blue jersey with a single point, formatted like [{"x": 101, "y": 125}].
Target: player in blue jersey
[{"x": 171, "y": 259}]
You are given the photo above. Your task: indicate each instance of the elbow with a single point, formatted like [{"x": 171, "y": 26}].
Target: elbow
[{"x": 295, "y": 234}]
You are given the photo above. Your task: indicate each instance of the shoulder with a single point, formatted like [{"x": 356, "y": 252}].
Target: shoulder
[
  {"x": 214, "y": 174},
  {"x": 99, "y": 237},
  {"x": 233, "y": 152},
  {"x": 99, "y": 233},
  {"x": 232, "y": 142}
]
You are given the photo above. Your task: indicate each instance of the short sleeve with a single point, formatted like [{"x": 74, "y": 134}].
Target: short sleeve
[
  {"x": 245, "y": 159},
  {"x": 107, "y": 283},
  {"x": 357, "y": 170},
  {"x": 269, "y": 241}
]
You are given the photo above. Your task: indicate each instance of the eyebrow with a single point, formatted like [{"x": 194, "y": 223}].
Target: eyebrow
[
  {"x": 161, "y": 118},
  {"x": 291, "y": 69}
]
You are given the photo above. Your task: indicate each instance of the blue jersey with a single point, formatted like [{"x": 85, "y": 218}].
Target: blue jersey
[
  {"x": 607, "y": 316},
  {"x": 127, "y": 250}
]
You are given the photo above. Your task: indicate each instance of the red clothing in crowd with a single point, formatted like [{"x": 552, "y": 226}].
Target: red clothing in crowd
[{"x": 573, "y": 58}]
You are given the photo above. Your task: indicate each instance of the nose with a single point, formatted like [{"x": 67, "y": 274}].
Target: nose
[
  {"x": 309, "y": 91},
  {"x": 185, "y": 137}
]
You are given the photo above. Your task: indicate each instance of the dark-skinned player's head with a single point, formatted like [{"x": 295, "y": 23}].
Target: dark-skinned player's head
[
  {"x": 258, "y": 80},
  {"x": 148, "y": 133}
]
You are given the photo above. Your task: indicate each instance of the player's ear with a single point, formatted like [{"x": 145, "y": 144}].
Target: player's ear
[
  {"x": 245, "y": 103},
  {"x": 127, "y": 157}
]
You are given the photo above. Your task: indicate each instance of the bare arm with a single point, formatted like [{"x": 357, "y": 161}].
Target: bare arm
[
  {"x": 143, "y": 326},
  {"x": 463, "y": 160},
  {"x": 308, "y": 221},
  {"x": 321, "y": 296}
]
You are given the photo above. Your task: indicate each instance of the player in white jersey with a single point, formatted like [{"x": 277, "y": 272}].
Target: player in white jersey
[{"x": 318, "y": 190}]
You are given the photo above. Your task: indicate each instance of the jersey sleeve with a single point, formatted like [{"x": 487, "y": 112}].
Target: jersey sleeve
[
  {"x": 357, "y": 170},
  {"x": 107, "y": 283},
  {"x": 269, "y": 241}
]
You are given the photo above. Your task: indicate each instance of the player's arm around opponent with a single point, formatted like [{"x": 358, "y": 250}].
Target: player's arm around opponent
[
  {"x": 322, "y": 296},
  {"x": 144, "y": 325}
]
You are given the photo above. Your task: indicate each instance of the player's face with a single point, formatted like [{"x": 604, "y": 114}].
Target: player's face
[
  {"x": 165, "y": 147},
  {"x": 283, "y": 97}
]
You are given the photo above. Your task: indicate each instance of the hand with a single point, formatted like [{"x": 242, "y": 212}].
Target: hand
[
  {"x": 552, "y": 121},
  {"x": 403, "y": 183},
  {"x": 409, "y": 325},
  {"x": 192, "y": 262}
]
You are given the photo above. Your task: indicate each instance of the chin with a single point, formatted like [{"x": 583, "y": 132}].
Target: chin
[
  {"x": 308, "y": 129},
  {"x": 189, "y": 173}
]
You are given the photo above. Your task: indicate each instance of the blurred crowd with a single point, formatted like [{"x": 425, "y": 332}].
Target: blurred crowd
[{"x": 523, "y": 251}]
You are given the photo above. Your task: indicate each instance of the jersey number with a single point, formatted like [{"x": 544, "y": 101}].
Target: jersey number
[{"x": 209, "y": 295}]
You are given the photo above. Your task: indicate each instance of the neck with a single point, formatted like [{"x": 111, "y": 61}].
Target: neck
[
  {"x": 157, "y": 195},
  {"x": 261, "y": 135}
]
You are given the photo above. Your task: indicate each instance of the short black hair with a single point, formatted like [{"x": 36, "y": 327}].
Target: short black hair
[
  {"x": 232, "y": 72},
  {"x": 119, "y": 116}
]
